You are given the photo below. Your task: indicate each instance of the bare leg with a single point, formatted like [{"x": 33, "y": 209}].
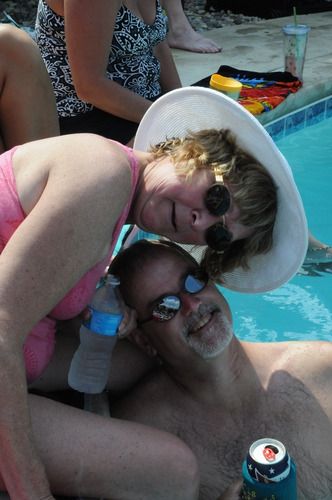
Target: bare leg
[
  {"x": 27, "y": 102},
  {"x": 181, "y": 34},
  {"x": 89, "y": 455},
  {"x": 101, "y": 457}
]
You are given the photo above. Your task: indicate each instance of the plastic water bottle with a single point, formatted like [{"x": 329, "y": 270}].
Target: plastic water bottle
[{"x": 90, "y": 366}]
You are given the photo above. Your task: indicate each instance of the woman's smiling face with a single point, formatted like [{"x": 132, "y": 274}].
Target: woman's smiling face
[{"x": 172, "y": 206}]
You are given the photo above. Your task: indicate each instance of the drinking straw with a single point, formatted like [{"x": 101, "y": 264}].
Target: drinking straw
[{"x": 296, "y": 40}]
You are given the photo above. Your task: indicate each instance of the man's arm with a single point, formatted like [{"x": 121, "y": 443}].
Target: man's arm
[{"x": 146, "y": 403}]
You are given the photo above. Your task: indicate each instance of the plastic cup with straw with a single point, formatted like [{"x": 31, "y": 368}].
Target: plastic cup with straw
[{"x": 295, "y": 44}]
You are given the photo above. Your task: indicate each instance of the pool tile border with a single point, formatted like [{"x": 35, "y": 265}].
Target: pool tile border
[{"x": 304, "y": 117}]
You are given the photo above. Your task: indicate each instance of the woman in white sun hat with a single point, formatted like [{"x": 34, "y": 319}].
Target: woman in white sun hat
[
  {"x": 64, "y": 201},
  {"x": 271, "y": 253}
]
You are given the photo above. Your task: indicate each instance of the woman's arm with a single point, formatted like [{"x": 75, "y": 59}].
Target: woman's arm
[
  {"x": 169, "y": 77},
  {"x": 89, "y": 30},
  {"x": 63, "y": 236},
  {"x": 21, "y": 469}
]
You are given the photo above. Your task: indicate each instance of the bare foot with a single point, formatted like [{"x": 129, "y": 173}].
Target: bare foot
[
  {"x": 191, "y": 40},
  {"x": 319, "y": 254},
  {"x": 317, "y": 250}
]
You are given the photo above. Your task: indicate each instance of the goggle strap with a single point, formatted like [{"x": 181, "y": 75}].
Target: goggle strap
[{"x": 218, "y": 175}]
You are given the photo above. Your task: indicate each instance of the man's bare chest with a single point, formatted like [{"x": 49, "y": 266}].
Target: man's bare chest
[{"x": 221, "y": 440}]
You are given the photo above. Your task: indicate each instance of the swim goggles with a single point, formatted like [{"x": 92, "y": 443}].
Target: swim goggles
[
  {"x": 218, "y": 201},
  {"x": 167, "y": 306}
]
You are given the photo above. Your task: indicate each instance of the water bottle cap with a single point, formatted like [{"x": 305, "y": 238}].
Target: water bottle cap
[{"x": 113, "y": 280}]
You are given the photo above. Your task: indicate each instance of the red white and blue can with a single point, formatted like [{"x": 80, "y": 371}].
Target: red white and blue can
[{"x": 268, "y": 472}]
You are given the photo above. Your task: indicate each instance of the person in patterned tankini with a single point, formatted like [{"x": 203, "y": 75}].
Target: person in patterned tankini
[{"x": 108, "y": 61}]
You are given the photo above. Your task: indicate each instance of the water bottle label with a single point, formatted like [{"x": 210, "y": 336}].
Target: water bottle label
[{"x": 103, "y": 323}]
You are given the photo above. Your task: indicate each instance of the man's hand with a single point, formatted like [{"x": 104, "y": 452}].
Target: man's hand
[
  {"x": 128, "y": 323},
  {"x": 233, "y": 492}
]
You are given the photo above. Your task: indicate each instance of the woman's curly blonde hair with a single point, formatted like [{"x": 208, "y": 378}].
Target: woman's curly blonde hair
[{"x": 253, "y": 190}]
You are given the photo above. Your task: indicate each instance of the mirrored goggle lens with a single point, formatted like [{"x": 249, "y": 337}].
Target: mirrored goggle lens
[
  {"x": 166, "y": 308},
  {"x": 169, "y": 305},
  {"x": 218, "y": 237},
  {"x": 195, "y": 284},
  {"x": 217, "y": 199}
]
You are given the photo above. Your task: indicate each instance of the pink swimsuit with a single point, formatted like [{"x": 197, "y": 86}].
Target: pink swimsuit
[{"x": 40, "y": 343}]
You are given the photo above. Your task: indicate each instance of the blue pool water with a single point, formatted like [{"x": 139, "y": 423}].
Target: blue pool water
[{"x": 301, "y": 309}]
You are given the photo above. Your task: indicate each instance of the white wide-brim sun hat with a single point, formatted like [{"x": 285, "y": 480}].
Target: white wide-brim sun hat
[{"x": 190, "y": 109}]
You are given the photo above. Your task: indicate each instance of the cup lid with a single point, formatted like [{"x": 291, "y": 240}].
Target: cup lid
[
  {"x": 296, "y": 29},
  {"x": 224, "y": 83}
]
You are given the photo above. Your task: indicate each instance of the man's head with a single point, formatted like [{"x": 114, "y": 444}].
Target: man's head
[{"x": 177, "y": 307}]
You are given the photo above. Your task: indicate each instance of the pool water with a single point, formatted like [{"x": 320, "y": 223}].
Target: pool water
[{"x": 301, "y": 309}]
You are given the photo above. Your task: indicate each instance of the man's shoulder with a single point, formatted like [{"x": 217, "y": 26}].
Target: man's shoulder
[
  {"x": 307, "y": 357},
  {"x": 297, "y": 358},
  {"x": 288, "y": 364},
  {"x": 309, "y": 363}
]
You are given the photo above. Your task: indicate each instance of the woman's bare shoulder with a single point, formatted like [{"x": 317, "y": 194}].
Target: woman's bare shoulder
[
  {"x": 73, "y": 151},
  {"x": 84, "y": 163}
]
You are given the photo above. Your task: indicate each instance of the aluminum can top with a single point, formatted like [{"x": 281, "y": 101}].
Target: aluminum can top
[{"x": 268, "y": 461}]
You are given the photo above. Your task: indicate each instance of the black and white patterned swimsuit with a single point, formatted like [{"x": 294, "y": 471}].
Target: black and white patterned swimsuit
[{"x": 131, "y": 61}]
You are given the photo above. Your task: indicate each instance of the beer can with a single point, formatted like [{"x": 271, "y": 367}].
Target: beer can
[
  {"x": 268, "y": 461},
  {"x": 268, "y": 472}
]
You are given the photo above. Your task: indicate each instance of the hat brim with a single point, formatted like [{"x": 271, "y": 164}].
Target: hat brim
[{"x": 196, "y": 108}]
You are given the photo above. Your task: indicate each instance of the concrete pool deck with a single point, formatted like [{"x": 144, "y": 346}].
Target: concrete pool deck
[{"x": 259, "y": 47}]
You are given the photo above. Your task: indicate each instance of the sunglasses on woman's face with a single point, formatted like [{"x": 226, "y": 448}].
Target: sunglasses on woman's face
[
  {"x": 218, "y": 201},
  {"x": 167, "y": 306}
]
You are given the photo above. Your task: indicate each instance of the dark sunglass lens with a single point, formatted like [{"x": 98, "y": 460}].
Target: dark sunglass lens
[
  {"x": 218, "y": 237},
  {"x": 194, "y": 284},
  {"x": 217, "y": 199},
  {"x": 166, "y": 308}
]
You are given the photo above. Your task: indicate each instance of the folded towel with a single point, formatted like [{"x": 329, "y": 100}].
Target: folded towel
[{"x": 260, "y": 92}]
